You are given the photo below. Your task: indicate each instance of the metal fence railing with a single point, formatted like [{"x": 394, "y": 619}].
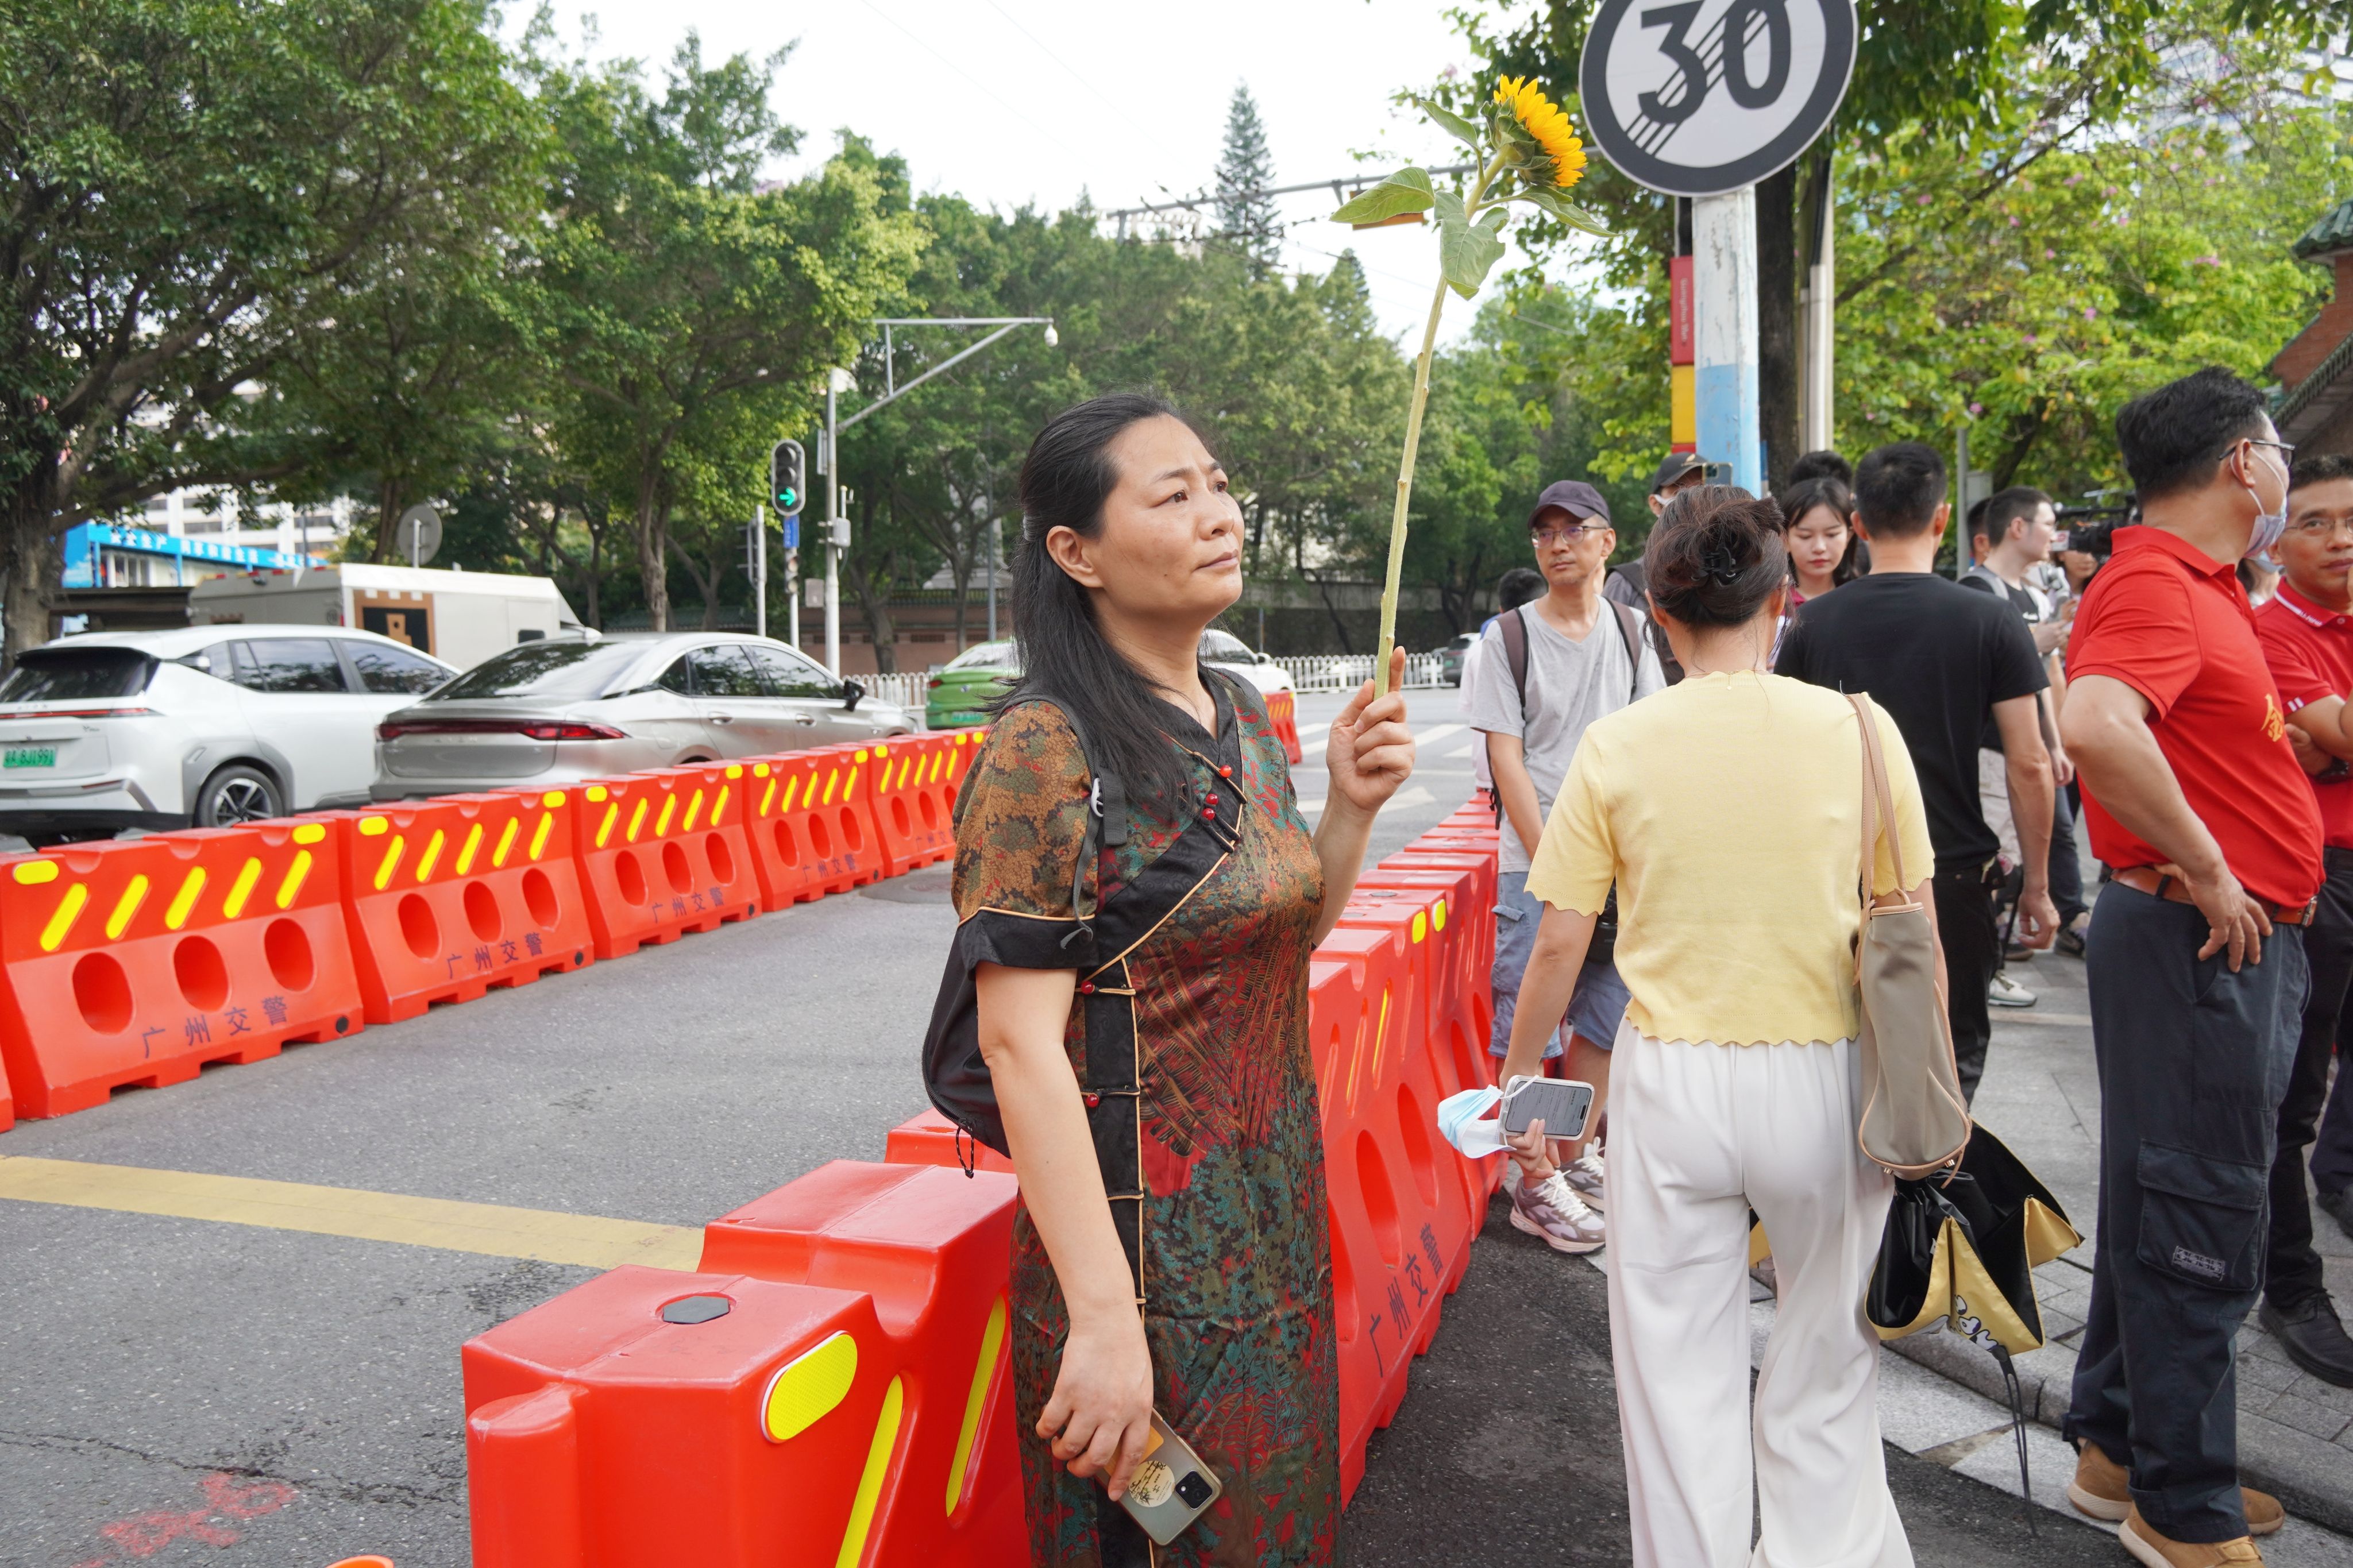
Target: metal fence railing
[
  {"x": 906, "y": 689},
  {"x": 1345, "y": 673}
]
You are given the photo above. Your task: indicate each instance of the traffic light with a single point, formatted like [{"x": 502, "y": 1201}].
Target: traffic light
[{"x": 785, "y": 488}]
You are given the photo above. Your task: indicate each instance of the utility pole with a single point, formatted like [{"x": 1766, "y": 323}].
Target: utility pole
[
  {"x": 840, "y": 381},
  {"x": 759, "y": 572},
  {"x": 995, "y": 549},
  {"x": 1723, "y": 290}
]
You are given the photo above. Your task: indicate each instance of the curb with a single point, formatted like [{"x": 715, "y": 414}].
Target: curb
[{"x": 2308, "y": 1475}]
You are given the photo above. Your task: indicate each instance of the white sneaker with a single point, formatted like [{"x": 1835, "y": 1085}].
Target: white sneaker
[
  {"x": 1551, "y": 1211},
  {"x": 1585, "y": 1174},
  {"x": 2007, "y": 992}
]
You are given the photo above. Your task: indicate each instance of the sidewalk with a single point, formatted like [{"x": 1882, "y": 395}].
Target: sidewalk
[{"x": 2041, "y": 1096}]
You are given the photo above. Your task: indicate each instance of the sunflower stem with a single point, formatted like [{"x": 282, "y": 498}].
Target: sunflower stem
[{"x": 1413, "y": 446}]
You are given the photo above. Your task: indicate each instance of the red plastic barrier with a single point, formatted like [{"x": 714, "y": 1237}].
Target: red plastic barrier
[
  {"x": 450, "y": 898},
  {"x": 1459, "y": 965},
  {"x": 662, "y": 854},
  {"x": 931, "y": 1138},
  {"x": 1283, "y": 706},
  {"x": 138, "y": 962},
  {"x": 910, "y": 813},
  {"x": 812, "y": 833},
  {"x": 829, "y": 1389}
]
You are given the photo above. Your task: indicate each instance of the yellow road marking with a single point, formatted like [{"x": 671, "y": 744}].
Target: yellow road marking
[{"x": 491, "y": 1229}]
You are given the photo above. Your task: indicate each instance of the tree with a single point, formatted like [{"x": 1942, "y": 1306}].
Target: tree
[
  {"x": 1248, "y": 218},
  {"x": 683, "y": 301},
  {"x": 190, "y": 191}
]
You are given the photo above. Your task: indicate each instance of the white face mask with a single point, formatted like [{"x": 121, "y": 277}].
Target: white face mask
[
  {"x": 2269, "y": 526},
  {"x": 1463, "y": 1121}
]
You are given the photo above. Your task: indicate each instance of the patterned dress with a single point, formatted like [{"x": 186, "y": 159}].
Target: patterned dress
[{"x": 1236, "y": 1251}]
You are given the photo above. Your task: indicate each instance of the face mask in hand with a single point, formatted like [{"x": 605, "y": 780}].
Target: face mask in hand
[{"x": 1465, "y": 1121}]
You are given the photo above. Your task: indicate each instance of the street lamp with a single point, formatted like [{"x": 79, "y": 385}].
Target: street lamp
[{"x": 837, "y": 527}]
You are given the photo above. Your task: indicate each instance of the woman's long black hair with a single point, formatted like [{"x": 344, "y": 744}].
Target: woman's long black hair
[
  {"x": 1064, "y": 654},
  {"x": 1803, "y": 498}
]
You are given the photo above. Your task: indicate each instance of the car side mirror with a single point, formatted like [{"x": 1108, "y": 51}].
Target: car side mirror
[
  {"x": 851, "y": 694},
  {"x": 1264, "y": 656}
]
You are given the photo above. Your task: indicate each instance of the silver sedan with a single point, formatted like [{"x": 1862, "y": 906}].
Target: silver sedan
[{"x": 558, "y": 712}]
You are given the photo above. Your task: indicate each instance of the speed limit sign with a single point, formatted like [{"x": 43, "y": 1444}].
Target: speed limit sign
[{"x": 1706, "y": 96}]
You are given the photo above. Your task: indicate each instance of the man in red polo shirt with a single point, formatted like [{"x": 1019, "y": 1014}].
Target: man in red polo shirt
[
  {"x": 2306, "y": 629},
  {"x": 2193, "y": 795}
]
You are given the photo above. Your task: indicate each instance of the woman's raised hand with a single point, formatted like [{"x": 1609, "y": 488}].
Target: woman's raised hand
[
  {"x": 1100, "y": 1416},
  {"x": 1370, "y": 752}
]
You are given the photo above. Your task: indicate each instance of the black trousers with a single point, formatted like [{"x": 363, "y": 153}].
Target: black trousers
[
  {"x": 1972, "y": 943},
  {"x": 2193, "y": 1061},
  {"x": 2292, "y": 1275}
]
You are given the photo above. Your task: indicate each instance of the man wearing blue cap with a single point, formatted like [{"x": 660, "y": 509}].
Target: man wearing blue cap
[{"x": 1549, "y": 669}]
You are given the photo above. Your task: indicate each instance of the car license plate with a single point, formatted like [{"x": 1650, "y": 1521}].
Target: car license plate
[{"x": 29, "y": 757}]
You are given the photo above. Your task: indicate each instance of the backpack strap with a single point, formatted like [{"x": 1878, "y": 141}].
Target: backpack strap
[
  {"x": 1513, "y": 627},
  {"x": 1630, "y": 628}
]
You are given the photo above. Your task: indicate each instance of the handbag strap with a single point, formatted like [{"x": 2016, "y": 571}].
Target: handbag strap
[{"x": 1878, "y": 804}]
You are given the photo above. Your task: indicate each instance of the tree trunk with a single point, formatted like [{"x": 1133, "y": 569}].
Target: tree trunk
[
  {"x": 32, "y": 560},
  {"x": 653, "y": 564},
  {"x": 387, "y": 518},
  {"x": 1776, "y": 320}
]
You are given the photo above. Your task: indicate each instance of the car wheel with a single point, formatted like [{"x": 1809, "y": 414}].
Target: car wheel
[{"x": 237, "y": 795}]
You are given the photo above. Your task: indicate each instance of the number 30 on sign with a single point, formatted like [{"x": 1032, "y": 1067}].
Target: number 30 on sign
[{"x": 1702, "y": 97}]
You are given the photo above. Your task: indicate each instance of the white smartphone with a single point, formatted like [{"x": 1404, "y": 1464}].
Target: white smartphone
[
  {"x": 1561, "y": 1103},
  {"x": 1171, "y": 1488}
]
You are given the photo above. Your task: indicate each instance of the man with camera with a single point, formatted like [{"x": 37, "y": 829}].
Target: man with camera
[
  {"x": 2306, "y": 630},
  {"x": 2193, "y": 795}
]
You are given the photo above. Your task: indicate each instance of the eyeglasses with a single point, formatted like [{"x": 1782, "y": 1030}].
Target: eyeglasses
[
  {"x": 1565, "y": 533},
  {"x": 2323, "y": 527},
  {"x": 2286, "y": 450}
]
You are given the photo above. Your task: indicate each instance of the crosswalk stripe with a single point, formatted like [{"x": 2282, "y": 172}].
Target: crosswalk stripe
[{"x": 493, "y": 1230}]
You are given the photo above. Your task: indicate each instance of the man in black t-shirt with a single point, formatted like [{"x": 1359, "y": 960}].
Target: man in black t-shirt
[{"x": 1943, "y": 661}]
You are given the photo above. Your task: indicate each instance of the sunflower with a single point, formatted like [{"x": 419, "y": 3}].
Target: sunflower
[{"x": 1545, "y": 122}]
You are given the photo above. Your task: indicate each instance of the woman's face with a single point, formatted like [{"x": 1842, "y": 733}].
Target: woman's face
[
  {"x": 1817, "y": 541},
  {"x": 1170, "y": 547}
]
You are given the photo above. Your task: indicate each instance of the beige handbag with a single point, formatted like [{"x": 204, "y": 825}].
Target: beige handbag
[{"x": 1914, "y": 1122}]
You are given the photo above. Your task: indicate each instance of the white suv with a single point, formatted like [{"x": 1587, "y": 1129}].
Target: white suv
[{"x": 203, "y": 727}]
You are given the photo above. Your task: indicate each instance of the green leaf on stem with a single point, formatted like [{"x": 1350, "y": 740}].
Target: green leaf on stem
[
  {"x": 1453, "y": 124},
  {"x": 1467, "y": 252},
  {"x": 1561, "y": 207},
  {"x": 1406, "y": 191}
]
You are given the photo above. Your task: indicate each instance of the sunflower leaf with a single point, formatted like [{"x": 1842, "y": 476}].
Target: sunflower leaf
[
  {"x": 1406, "y": 191},
  {"x": 1451, "y": 208},
  {"x": 1453, "y": 124},
  {"x": 1467, "y": 252},
  {"x": 1561, "y": 207}
]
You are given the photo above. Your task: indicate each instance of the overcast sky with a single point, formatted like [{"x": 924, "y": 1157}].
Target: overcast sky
[{"x": 1014, "y": 101}]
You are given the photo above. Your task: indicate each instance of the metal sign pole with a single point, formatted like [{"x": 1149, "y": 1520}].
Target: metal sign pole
[
  {"x": 995, "y": 549},
  {"x": 1723, "y": 290},
  {"x": 760, "y": 570},
  {"x": 832, "y": 531}
]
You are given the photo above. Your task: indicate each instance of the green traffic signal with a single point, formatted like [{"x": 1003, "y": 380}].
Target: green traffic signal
[
  {"x": 788, "y": 498},
  {"x": 786, "y": 471}
]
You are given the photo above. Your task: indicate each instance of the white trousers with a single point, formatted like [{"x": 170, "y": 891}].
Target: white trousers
[{"x": 1698, "y": 1134}]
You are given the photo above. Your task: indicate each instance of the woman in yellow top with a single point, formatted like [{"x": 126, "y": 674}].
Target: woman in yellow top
[{"x": 1727, "y": 810}]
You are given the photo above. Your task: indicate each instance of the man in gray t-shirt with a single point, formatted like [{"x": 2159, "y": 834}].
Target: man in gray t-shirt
[{"x": 1586, "y": 656}]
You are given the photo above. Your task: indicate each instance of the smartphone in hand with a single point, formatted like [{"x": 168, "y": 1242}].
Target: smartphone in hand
[
  {"x": 1562, "y": 1104},
  {"x": 1171, "y": 1488}
]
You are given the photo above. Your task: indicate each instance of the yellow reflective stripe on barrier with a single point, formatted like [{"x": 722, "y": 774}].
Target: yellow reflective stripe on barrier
[
  {"x": 425, "y": 862},
  {"x": 1421, "y": 925},
  {"x": 735, "y": 771},
  {"x": 61, "y": 920},
  {"x": 767, "y": 797},
  {"x": 467, "y": 851},
  {"x": 1438, "y": 915},
  {"x": 992, "y": 1345},
  {"x": 1381, "y": 1038},
  {"x": 135, "y": 893},
  {"x": 870, "y": 1485},
  {"x": 791, "y": 786},
  {"x": 851, "y": 786},
  {"x": 552, "y": 799},
  {"x": 295, "y": 874},
  {"x": 507, "y": 838},
  {"x": 391, "y": 861},
  {"x": 661, "y": 823},
  {"x": 32, "y": 873},
  {"x": 311, "y": 833},
  {"x": 831, "y": 780},
  {"x": 694, "y": 811},
  {"x": 183, "y": 902},
  {"x": 637, "y": 821},
  {"x": 242, "y": 888},
  {"x": 808, "y": 1386},
  {"x": 539, "y": 834},
  {"x": 604, "y": 828},
  {"x": 373, "y": 826},
  {"x": 719, "y": 807}
]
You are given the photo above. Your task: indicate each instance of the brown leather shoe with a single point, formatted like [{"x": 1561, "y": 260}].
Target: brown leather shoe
[
  {"x": 2100, "y": 1491},
  {"x": 2147, "y": 1546}
]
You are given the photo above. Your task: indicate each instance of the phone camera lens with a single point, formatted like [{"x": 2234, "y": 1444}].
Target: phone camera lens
[{"x": 1193, "y": 1490}]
